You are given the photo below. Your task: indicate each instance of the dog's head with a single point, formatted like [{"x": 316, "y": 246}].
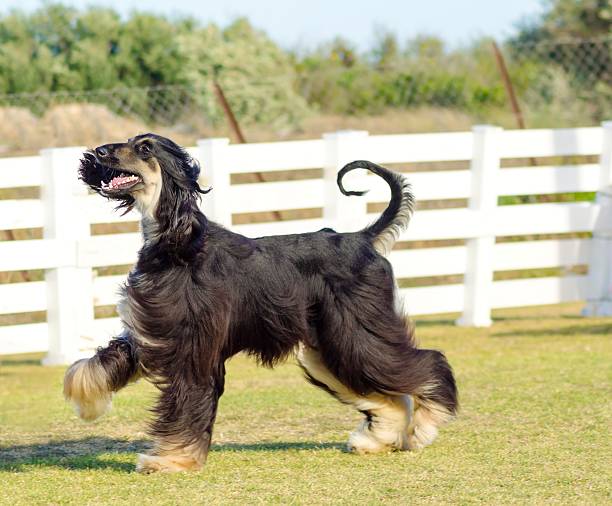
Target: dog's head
[{"x": 141, "y": 172}]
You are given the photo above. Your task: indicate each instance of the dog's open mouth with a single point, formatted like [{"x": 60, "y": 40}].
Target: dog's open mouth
[
  {"x": 109, "y": 181},
  {"x": 124, "y": 181}
]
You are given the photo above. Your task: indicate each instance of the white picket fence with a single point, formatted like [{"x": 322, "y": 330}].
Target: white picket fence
[{"x": 69, "y": 252}]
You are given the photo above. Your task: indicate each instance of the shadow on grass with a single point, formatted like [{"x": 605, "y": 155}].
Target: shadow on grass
[
  {"x": 572, "y": 330},
  {"x": 433, "y": 323},
  {"x": 92, "y": 453},
  {"x": 87, "y": 453},
  {"x": 12, "y": 365},
  {"x": 451, "y": 320},
  {"x": 14, "y": 362},
  {"x": 525, "y": 318},
  {"x": 275, "y": 447}
]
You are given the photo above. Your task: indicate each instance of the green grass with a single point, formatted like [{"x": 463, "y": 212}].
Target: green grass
[{"x": 534, "y": 428}]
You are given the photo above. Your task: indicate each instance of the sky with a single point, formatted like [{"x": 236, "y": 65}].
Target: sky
[{"x": 296, "y": 24}]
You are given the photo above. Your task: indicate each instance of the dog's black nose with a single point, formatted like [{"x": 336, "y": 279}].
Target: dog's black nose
[{"x": 103, "y": 151}]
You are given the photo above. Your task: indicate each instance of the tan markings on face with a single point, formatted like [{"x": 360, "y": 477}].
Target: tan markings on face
[{"x": 149, "y": 170}]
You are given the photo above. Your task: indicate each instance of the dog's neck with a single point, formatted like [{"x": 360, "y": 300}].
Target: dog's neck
[
  {"x": 149, "y": 229},
  {"x": 175, "y": 235}
]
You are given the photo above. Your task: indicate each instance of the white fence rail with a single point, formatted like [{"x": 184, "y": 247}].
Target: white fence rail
[{"x": 69, "y": 253}]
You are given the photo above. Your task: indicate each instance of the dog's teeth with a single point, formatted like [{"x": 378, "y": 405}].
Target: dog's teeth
[{"x": 119, "y": 181}]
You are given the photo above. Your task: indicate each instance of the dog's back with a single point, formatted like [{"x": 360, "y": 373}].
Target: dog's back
[{"x": 282, "y": 287}]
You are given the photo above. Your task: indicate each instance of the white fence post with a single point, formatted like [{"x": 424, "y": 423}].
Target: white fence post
[
  {"x": 478, "y": 282},
  {"x": 605, "y": 161},
  {"x": 215, "y": 170},
  {"x": 69, "y": 288},
  {"x": 599, "y": 281},
  {"x": 344, "y": 213}
]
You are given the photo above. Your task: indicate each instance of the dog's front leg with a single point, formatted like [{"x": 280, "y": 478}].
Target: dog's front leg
[
  {"x": 186, "y": 413},
  {"x": 90, "y": 383}
]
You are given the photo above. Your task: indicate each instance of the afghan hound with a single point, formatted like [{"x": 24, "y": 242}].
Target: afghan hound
[{"x": 200, "y": 294}]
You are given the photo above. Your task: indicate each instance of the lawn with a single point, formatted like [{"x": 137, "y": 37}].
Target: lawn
[{"x": 534, "y": 428}]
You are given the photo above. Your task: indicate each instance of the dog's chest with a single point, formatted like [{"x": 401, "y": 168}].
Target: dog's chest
[
  {"x": 123, "y": 308},
  {"x": 129, "y": 318},
  {"x": 150, "y": 307}
]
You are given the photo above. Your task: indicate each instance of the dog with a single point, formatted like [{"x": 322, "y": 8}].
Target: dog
[{"x": 200, "y": 294}]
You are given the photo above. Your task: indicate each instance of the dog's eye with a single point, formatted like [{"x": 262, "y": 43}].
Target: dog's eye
[{"x": 144, "y": 148}]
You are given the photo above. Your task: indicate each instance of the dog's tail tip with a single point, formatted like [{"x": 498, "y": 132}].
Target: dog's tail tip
[
  {"x": 357, "y": 164},
  {"x": 354, "y": 193}
]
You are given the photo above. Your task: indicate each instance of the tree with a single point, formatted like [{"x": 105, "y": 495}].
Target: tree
[
  {"x": 563, "y": 19},
  {"x": 569, "y": 51},
  {"x": 95, "y": 57},
  {"x": 575, "y": 34},
  {"x": 386, "y": 51},
  {"x": 256, "y": 75},
  {"x": 57, "y": 48}
]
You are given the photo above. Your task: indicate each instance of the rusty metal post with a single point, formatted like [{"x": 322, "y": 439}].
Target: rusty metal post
[
  {"x": 505, "y": 75},
  {"x": 229, "y": 114},
  {"x": 231, "y": 118},
  {"x": 503, "y": 70}
]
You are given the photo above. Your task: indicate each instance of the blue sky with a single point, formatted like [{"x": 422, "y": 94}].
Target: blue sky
[{"x": 305, "y": 23}]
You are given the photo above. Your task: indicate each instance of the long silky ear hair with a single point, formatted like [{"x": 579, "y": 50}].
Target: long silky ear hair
[{"x": 182, "y": 225}]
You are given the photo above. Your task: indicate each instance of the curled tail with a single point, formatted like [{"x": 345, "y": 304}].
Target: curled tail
[{"x": 386, "y": 229}]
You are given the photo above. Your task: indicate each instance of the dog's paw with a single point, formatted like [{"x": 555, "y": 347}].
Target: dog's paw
[
  {"x": 94, "y": 409},
  {"x": 421, "y": 436},
  {"x": 378, "y": 438},
  {"x": 148, "y": 464},
  {"x": 362, "y": 442},
  {"x": 86, "y": 387},
  {"x": 425, "y": 423}
]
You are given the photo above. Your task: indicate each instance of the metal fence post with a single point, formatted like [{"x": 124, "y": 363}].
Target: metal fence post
[
  {"x": 69, "y": 287},
  {"x": 217, "y": 203},
  {"x": 344, "y": 214},
  {"x": 599, "y": 280},
  {"x": 478, "y": 281}
]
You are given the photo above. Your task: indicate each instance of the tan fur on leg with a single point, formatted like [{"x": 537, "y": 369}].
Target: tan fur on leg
[
  {"x": 386, "y": 427},
  {"x": 423, "y": 430},
  {"x": 86, "y": 386},
  {"x": 171, "y": 457},
  {"x": 166, "y": 464}
]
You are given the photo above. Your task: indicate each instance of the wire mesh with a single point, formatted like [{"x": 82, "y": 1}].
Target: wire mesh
[{"x": 561, "y": 83}]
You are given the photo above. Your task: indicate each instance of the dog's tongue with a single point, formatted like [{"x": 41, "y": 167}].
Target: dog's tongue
[{"x": 121, "y": 181}]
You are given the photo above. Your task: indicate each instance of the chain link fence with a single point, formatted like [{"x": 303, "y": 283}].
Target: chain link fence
[
  {"x": 561, "y": 83},
  {"x": 30, "y": 121},
  {"x": 570, "y": 81}
]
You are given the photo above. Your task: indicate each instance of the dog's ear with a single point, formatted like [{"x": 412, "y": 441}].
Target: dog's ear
[
  {"x": 180, "y": 191},
  {"x": 179, "y": 167},
  {"x": 192, "y": 168}
]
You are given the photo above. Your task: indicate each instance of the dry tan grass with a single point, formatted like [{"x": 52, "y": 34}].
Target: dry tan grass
[
  {"x": 426, "y": 119},
  {"x": 22, "y": 132}
]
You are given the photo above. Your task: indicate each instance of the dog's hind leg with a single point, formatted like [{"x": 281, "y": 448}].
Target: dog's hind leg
[
  {"x": 387, "y": 417},
  {"x": 186, "y": 413},
  {"x": 90, "y": 383},
  {"x": 435, "y": 399}
]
